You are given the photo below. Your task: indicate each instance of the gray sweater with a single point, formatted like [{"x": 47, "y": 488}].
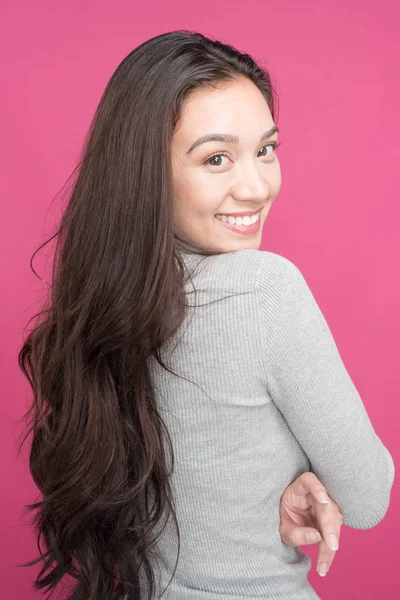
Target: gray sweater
[{"x": 263, "y": 397}]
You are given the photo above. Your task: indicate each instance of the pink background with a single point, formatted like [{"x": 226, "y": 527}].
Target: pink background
[{"x": 336, "y": 68}]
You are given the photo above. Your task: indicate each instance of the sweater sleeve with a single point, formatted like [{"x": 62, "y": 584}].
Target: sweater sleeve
[{"x": 311, "y": 387}]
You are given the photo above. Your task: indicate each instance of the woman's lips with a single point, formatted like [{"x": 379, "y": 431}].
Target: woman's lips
[
  {"x": 241, "y": 214},
  {"x": 242, "y": 229}
]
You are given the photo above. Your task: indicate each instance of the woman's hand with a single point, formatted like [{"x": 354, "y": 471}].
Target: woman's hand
[{"x": 306, "y": 514}]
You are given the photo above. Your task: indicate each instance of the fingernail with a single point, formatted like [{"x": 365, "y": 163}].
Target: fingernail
[
  {"x": 322, "y": 497},
  {"x": 333, "y": 542},
  {"x": 323, "y": 569},
  {"x": 313, "y": 537}
]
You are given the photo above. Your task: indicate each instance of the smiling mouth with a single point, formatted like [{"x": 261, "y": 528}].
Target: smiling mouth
[
  {"x": 240, "y": 214},
  {"x": 249, "y": 227}
]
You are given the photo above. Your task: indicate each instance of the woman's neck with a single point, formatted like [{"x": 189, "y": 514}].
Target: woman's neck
[{"x": 189, "y": 248}]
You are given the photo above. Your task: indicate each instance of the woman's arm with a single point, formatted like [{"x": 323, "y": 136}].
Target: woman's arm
[{"x": 310, "y": 385}]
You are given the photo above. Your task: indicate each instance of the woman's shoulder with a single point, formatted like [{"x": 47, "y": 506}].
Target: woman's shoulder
[
  {"x": 251, "y": 257},
  {"x": 266, "y": 265},
  {"x": 249, "y": 268}
]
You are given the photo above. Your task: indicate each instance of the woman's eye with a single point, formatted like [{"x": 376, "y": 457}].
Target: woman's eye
[
  {"x": 272, "y": 145},
  {"x": 213, "y": 157}
]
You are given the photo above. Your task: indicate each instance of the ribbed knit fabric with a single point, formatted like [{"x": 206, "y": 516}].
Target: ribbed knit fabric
[{"x": 268, "y": 398}]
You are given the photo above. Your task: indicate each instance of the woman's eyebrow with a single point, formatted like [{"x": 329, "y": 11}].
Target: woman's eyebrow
[{"x": 228, "y": 138}]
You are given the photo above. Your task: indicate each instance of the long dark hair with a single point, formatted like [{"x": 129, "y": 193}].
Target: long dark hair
[{"x": 117, "y": 296}]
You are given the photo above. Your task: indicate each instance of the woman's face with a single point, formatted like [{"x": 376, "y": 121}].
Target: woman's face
[{"x": 244, "y": 180}]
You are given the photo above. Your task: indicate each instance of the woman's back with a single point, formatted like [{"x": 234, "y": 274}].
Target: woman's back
[{"x": 234, "y": 450}]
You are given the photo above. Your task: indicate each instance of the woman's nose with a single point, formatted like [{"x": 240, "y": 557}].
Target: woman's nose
[{"x": 251, "y": 184}]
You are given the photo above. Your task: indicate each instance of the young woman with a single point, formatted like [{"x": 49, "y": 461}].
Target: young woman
[{"x": 182, "y": 378}]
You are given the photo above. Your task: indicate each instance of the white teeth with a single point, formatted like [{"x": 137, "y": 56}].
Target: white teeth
[{"x": 239, "y": 220}]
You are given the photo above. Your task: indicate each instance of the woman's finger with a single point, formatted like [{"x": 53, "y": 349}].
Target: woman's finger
[
  {"x": 327, "y": 515},
  {"x": 325, "y": 558},
  {"x": 329, "y": 521},
  {"x": 327, "y": 512},
  {"x": 300, "y": 536},
  {"x": 308, "y": 483}
]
